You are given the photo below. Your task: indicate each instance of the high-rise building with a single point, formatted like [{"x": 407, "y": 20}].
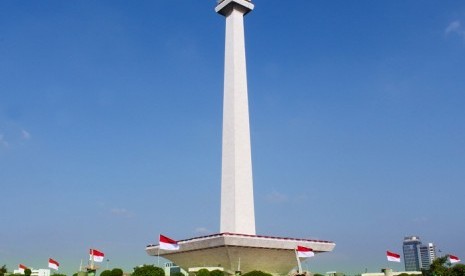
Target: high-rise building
[
  {"x": 427, "y": 255},
  {"x": 411, "y": 248},
  {"x": 418, "y": 256}
]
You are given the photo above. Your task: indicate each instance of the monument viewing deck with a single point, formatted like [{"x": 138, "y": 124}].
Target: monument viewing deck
[{"x": 240, "y": 252}]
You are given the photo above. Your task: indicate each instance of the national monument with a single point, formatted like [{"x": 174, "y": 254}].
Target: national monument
[{"x": 237, "y": 247}]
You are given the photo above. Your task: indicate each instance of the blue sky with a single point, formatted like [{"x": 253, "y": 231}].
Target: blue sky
[{"x": 110, "y": 126}]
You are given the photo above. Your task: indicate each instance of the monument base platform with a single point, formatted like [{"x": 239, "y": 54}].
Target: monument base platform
[{"x": 241, "y": 252}]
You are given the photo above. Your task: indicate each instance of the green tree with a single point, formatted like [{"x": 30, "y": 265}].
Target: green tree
[
  {"x": 148, "y": 270},
  {"x": 438, "y": 267},
  {"x": 216, "y": 272},
  {"x": 3, "y": 270},
  {"x": 457, "y": 270},
  {"x": 116, "y": 272},
  {"x": 27, "y": 272},
  {"x": 318, "y": 274},
  {"x": 203, "y": 272},
  {"x": 256, "y": 273},
  {"x": 105, "y": 273},
  {"x": 441, "y": 267},
  {"x": 177, "y": 274},
  {"x": 75, "y": 274}
]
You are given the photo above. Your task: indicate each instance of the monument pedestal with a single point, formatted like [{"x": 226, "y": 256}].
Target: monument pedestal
[{"x": 236, "y": 252}]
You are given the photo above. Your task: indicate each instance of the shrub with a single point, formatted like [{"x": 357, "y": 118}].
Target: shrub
[
  {"x": 216, "y": 272},
  {"x": 104, "y": 273},
  {"x": 116, "y": 272},
  {"x": 203, "y": 272},
  {"x": 256, "y": 273},
  {"x": 148, "y": 270}
]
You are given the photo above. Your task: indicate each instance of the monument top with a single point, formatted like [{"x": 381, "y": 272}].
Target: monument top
[{"x": 224, "y": 6}]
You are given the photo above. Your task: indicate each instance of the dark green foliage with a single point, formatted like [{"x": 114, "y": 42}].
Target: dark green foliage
[
  {"x": 148, "y": 270},
  {"x": 203, "y": 272},
  {"x": 318, "y": 274},
  {"x": 177, "y": 274},
  {"x": 27, "y": 272},
  {"x": 438, "y": 267},
  {"x": 458, "y": 270},
  {"x": 441, "y": 267},
  {"x": 3, "y": 270},
  {"x": 216, "y": 272},
  {"x": 75, "y": 274},
  {"x": 256, "y": 273},
  {"x": 105, "y": 273},
  {"x": 116, "y": 272}
]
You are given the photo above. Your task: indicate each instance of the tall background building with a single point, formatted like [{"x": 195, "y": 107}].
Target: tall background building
[
  {"x": 411, "y": 248},
  {"x": 427, "y": 255},
  {"x": 417, "y": 256}
]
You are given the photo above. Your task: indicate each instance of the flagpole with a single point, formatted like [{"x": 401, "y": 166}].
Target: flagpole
[
  {"x": 387, "y": 262},
  {"x": 92, "y": 261},
  {"x": 298, "y": 261}
]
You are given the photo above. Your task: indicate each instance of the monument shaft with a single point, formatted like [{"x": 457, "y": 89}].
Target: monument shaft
[{"x": 237, "y": 203}]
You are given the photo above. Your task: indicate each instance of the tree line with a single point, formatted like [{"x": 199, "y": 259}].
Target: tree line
[{"x": 439, "y": 267}]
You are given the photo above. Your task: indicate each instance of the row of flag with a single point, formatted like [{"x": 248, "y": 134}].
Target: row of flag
[
  {"x": 51, "y": 264},
  {"x": 166, "y": 243},
  {"x": 394, "y": 257},
  {"x": 95, "y": 255}
]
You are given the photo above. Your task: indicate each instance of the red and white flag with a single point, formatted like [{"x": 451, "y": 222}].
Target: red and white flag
[
  {"x": 22, "y": 267},
  {"x": 53, "y": 264},
  {"x": 304, "y": 252},
  {"x": 453, "y": 259},
  {"x": 393, "y": 257},
  {"x": 96, "y": 255},
  {"x": 168, "y": 244}
]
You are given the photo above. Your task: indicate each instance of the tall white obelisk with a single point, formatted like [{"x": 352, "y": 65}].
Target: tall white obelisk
[
  {"x": 237, "y": 203},
  {"x": 237, "y": 244}
]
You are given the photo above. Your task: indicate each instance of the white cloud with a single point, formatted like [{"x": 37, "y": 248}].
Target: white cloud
[
  {"x": 14, "y": 134},
  {"x": 455, "y": 27},
  {"x": 26, "y": 135},
  {"x": 121, "y": 212},
  {"x": 202, "y": 230},
  {"x": 275, "y": 197},
  {"x": 3, "y": 142},
  {"x": 420, "y": 220}
]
